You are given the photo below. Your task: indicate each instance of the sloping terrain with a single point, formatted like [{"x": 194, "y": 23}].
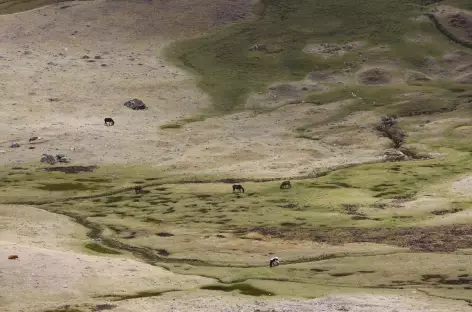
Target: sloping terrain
[{"x": 237, "y": 92}]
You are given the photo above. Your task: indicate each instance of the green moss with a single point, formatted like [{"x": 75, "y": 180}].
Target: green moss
[{"x": 101, "y": 249}]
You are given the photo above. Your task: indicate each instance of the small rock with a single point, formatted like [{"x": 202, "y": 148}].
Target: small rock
[
  {"x": 33, "y": 138},
  {"x": 27, "y": 52},
  {"x": 62, "y": 158},
  {"x": 97, "y": 57},
  {"x": 14, "y": 145},
  {"x": 85, "y": 57}
]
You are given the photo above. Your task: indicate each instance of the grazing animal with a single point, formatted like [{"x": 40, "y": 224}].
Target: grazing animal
[
  {"x": 238, "y": 187},
  {"x": 274, "y": 262},
  {"x": 285, "y": 184},
  {"x": 12, "y": 257},
  {"x": 109, "y": 121},
  {"x": 138, "y": 189}
]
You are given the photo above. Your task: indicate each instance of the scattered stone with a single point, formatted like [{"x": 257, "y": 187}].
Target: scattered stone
[
  {"x": 135, "y": 104},
  {"x": 12, "y": 257},
  {"x": 62, "y": 158},
  {"x": 53, "y": 99},
  {"x": 91, "y": 61},
  {"x": 104, "y": 65},
  {"x": 14, "y": 145},
  {"x": 27, "y": 52},
  {"x": 32, "y": 147},
  {"x": 46, "y": 158},
  {"x": 85, "y": 57},
  {"x": 97, "y": 57},
  {"x": 33, "y": 138},
  {"x": 72, "y": 169},
  {"x": 394, "y": 155}
]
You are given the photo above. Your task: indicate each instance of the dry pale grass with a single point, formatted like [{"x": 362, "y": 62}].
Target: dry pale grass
[{"x": 53, "y": 93}]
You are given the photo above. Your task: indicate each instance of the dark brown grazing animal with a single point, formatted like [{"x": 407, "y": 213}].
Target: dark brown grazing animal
[
  {"x": 12, "y": 257},
  {"x": 285, "y": 184},
  {"x": 138, "y": 189},
  {"x": 109, "y": 121},
  {"x": 238, "y": 187}
]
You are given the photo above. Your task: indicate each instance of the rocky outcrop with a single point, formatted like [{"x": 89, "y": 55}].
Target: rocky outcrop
[{"x": 135, "y": 104}]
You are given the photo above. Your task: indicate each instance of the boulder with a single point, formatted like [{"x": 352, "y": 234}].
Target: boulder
[{"x": 135, "y": 104}]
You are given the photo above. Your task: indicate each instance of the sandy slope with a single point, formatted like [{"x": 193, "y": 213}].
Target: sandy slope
[
  {"x": 354, "y": 303},
  {"x": 49, "y": 272},
  {"x": 41, "y": 59}
]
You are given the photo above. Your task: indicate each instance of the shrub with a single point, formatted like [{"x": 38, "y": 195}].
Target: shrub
[{"x": 388, "y": 127}]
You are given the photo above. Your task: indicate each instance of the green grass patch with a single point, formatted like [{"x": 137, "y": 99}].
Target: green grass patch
[
  {"x": 228, "y": 70},
  {"x": 101, "y": 249}
]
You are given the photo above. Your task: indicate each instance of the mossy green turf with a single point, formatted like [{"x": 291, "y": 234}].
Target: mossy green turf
[
  {"x": 229, "y": 71},
  {"x": 185, "y": 210}
]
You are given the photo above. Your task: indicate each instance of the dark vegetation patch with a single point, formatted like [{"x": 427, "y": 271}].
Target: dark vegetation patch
[
  {"x": 318, "y": 270},
  {"x": 65, "y": 308},
  {"x": 101, "y": 249},
  {"x": 113, "y": 199},
  {"x": 152, "y": 220},
  {"x": 141, "y": 294},
  {"x": 375, "y": 76},
  {"x": 243, "y": 288},
  {"x": 445, "y": 280},
  {"x": 431, "y": 239},
  {"x": 163, "y": 252},
  {"x": 341, "y": 274},
  {"x": 96, "y": 180},
  {"x": 66, "y": 186},
  {"x": 72, "y": 169},
  {"x": 169, "y": 210},
  {"x": 104, "y": 306},
  {"x": 446, "y": 211}
]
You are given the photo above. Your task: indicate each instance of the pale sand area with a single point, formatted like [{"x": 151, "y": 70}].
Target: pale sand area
[{"x": 49, "y": 91}]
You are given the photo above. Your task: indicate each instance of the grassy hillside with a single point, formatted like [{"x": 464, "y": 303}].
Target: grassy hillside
[{"x": 229, "y": 71}]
